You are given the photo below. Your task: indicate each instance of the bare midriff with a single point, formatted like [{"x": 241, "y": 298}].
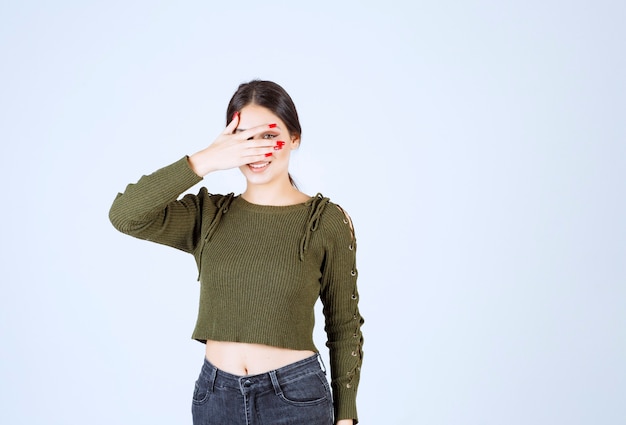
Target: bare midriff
[{"x": 239, "y": 358}]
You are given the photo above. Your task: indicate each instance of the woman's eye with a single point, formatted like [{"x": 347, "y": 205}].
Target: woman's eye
[{"x": 269, "y": 136}]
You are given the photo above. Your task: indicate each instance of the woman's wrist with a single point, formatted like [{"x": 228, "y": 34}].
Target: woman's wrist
[{"x": 197, "y": 164}]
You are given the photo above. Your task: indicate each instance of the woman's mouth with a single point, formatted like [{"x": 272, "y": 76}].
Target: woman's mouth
[{"x": 258, "y": 167}]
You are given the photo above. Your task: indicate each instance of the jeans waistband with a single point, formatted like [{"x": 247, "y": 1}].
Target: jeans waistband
[{"x": 260, "y": 382}]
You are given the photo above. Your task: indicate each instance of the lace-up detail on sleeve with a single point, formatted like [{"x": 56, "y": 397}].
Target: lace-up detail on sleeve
[
  {"x": 318, "y": 204},
  {"x": 357, "y": 338},
  {"x": 343, "y": 319}
]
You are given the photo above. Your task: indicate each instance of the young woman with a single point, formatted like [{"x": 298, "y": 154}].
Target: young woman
[{"x": 264, "y": 257}]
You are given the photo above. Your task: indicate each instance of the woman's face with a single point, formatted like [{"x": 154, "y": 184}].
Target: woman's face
[{"x": 275, "y": 167}]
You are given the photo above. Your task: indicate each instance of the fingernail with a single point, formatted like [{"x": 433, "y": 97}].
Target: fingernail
[
  {"x": 278, "y": 147},
  {"x": 280, "y": 143},
  {"x": 267, "y": 155},
  {"x": 273, "y": 125}
]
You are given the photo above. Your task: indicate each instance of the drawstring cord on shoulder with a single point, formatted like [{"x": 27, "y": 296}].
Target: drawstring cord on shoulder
[
  {"x": 318, "y": 203},
  {"x": 221, "y": 209}
]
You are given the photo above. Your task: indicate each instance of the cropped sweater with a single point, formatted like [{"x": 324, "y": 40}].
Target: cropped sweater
[{"x": 261, "y": 268}]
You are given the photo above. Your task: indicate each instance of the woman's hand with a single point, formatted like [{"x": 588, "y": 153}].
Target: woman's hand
[
  {"x": 345, "y": 422},
  {"x": 236, "y": 148}
]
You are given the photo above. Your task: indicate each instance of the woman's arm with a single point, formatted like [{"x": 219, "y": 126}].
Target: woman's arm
[
  {"x": 340, "y": 298},
  {"x": 149, "y": 209}
]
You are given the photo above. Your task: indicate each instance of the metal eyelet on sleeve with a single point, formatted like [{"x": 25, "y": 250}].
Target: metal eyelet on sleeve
[{"x": 356, "y": 353}]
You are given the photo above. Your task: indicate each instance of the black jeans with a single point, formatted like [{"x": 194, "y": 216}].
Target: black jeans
[{"x": 294, "y": 394}]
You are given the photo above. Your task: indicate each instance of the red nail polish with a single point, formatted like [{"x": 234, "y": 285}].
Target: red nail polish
[
  {"x": 278, "y": 147},
  {"x": 267, "y": 155},
  {"x": 273, "y": 125},
  {"x": 280, "y": 143}
]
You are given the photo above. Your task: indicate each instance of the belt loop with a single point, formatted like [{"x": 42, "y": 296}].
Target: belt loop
[
  {"x": 319, "y": 357},
  {"x": 212, "y": 377},
  {"x": 275, "y": 383}
]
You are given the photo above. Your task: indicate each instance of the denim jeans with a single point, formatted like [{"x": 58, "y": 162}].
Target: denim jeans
[{"x": 295, "y": 394}]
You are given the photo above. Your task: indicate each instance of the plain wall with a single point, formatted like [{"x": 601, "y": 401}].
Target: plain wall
[{"x": 478, "y": 146}]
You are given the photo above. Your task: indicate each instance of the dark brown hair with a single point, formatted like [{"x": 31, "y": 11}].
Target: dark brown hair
[{"x": 271, "y": 96}]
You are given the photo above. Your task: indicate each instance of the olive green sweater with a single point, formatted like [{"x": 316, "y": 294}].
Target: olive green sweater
[{"x": 261, "y": 267}]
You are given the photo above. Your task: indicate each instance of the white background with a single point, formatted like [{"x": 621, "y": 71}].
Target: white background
[{"x": 479, "y": 147}]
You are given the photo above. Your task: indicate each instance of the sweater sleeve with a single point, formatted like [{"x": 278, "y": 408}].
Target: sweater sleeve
[
  {"x": 150, "y": 210},
  {"x": 343, "y": 321}
]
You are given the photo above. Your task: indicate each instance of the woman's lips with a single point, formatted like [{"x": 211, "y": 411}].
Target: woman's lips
[{"x": 258, "y": 167}]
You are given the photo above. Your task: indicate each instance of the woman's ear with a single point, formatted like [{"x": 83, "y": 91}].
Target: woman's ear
[{"x": 295, "y": 142}]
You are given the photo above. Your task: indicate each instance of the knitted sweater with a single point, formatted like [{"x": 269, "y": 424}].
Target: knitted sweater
[{"x": 261, "y": 267}]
